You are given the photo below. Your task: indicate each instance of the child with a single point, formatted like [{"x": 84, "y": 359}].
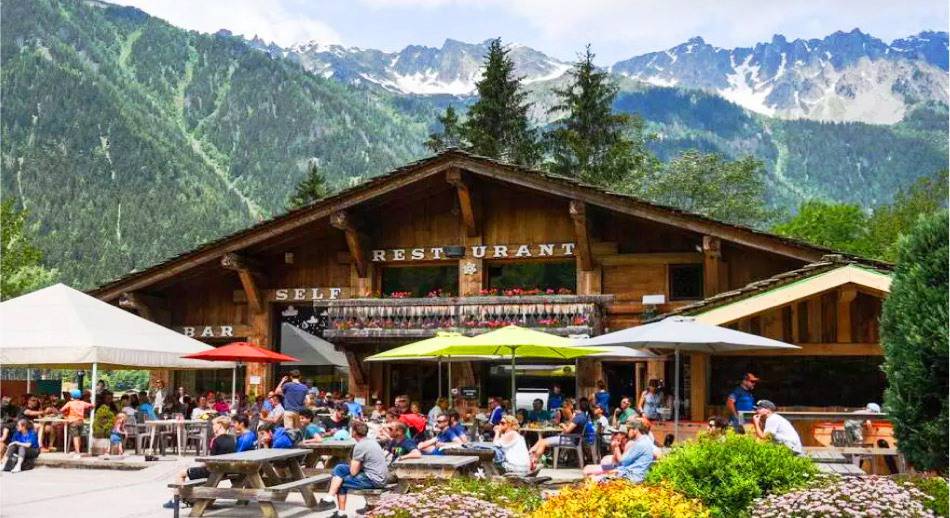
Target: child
[
  {"x": 117, "y": 438},
  {"x": 74, "y": 411},
  {"x": 25, "y": 444}
]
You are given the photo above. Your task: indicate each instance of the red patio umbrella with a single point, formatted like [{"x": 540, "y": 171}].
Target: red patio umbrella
[{"x": 241, "y": 352}]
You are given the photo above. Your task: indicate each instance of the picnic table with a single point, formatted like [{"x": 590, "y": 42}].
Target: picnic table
[
  {"x": 853, "y": 453},
  {"x": 830, "y": 460},
  {"x": 434, "y": 466},
  {"x": 484, "y": 451},
  {"x": 337, "y": 451},
  {"x": 258, "y": 479},
  {"x": 179, "y": 426},
  {"x": 541, "y": 431},
  {"x": 54, "y": 421}
]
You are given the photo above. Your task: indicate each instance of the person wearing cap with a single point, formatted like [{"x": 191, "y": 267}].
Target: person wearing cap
[
  {"x": 638, "y": 455},
  {"x": 768, "y": 423},
  {"x": 855, "y": 428},
  {"x": 741, "y": 399},
  {"x": 74, "y": 412}
]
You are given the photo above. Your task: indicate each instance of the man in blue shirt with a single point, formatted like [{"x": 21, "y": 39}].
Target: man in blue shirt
[
  {"x": 446, "y": 435},
  {"x": 245, "y": 438},
  {"x": 274, "y": 436},
  {"x": 635, "y": 463},
  {"x": 146, "y": 407},
  {"x": 741, "y": 399},
  {"x": 294, "y": 393},
  {"x": 555, "y": 398}
]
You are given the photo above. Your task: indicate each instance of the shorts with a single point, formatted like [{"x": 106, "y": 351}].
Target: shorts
[
  {"x": 75, "y": 428},
  {"x": 358, "y": 481},
  {"x": 116, "y": 438},
  {"x": 198, "y": 472}
]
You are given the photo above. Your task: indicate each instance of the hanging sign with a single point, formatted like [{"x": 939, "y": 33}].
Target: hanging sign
[
  {"x": 516, "y": 251},
  {"x": 215, "y": 330},
  {"x": 297, "y": 294}
]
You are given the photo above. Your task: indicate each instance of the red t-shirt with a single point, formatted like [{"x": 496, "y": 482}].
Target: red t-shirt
[{"x": 415, "y": 422}]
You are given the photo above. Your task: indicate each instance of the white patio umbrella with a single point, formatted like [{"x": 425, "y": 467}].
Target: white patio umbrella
[
  {"x": 60, "y": 327},
  {"x": 684, "y": 334}
]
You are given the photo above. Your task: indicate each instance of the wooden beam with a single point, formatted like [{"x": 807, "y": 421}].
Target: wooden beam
[
  {"x": 578, "y": 211},
  {"x": 248, "y": 270},
  {"x": 817, "y": 349},
  {"x": 354, "y": 239},
  {"x": 466, "y": 205},
  {"x": 148, "y": 307},
  {"x": 712, "y": 260},
  {"x": 651, "y": 258},
  {"x": 846, "y": 296},
  {"x": 698, "y": 385},
  {"x": 356, "y": 368}
]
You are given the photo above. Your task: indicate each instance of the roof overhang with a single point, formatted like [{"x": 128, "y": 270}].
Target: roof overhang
[{"x": 872, "y": 280}]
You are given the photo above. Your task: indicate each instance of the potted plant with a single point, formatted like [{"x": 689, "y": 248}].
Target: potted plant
[{"x": 101, "y": 430}]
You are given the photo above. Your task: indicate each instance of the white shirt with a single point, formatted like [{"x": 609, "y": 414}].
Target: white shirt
[
  {"x": 783, "y": 432},
  {"x": 198, "y": 412},
  {"x": 516, "y": 452}
]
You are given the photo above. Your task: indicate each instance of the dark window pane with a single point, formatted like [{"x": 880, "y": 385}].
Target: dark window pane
[
  {"x": 421, "y": 280},
  {"x": 686, "y": 281},
  {"x": 548, "y": 275}
]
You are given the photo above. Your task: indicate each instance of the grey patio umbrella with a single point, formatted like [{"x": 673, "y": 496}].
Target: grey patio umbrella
[{"x": 685, "y": 334}]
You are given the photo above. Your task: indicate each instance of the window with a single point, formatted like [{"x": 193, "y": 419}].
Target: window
[
  {"x": 686, "y": 281},
  {"x": 420, "y": 281},
  {"x": 557, "y": 275}
]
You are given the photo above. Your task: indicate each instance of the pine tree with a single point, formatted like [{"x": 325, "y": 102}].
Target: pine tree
[
  {"x": 21, "y": 262},
  {"x": 451, "y": 134},
  {"x": 591, "y": 142},
  {"x": 312, "y": 188},
  {"x": 497, "y": 124}
]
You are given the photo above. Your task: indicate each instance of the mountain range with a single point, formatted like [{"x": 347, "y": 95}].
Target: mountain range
[
  {"x": 130, "y": 140},
  {"x": 846, "y": 76}
]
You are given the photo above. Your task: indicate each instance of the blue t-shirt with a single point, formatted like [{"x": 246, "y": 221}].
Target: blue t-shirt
[
  {"x": 744, "y": 399},
  {"x": 398, "y": 449},
  {"x": 535, "y": 416},
  {"x": 635, "y": 463},
  {"x": 584, "y": 426},
  {"x": 355, "y": 409},
  {"x": 148, "y": 410},
  {"x": 602, "y": 398},
  {"x": 496, "y": 415},
  {"x": 281, "y": 439},
  {"x": 29, "y": 437},
  {"x": 294, "y": 394},
  {"x": 312, "y": 430},
  {"x": 267, "y": 405},
  {"x": 247, "y": 441},
  {"x": 448, "y": 435},
  {"x": 460, "y": 430},
  {"x": 555, "y": 401}
]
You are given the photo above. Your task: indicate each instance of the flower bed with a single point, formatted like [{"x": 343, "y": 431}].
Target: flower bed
[
  {"x": 848, "y": 497},
  {"x": 619, "y": 498},
  {"x": 456, "y": 499}
]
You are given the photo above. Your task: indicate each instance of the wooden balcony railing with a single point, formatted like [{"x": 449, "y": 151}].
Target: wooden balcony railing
[{"x": 423, "y": 317}]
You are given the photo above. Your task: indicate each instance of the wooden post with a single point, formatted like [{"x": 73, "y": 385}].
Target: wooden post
[
  {"x": 467, "y": 206},
  {"x": 358, "y": 380},
  {"x": 698, "y": 385},
  {"x": 814, "y": 320},
  {"x": 354, "y": 239},
  {"x": 251, "y": 276},
  {"x": 712, "y": 265},
  {"x": 846, "y": 296},
  {"x": 148, "y": 307},
  {"x": 585, "y": 259}
]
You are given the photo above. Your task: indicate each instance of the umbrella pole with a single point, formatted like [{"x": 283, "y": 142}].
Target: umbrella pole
[
  {"x": 676, "y": 398},
  {"x": 440, "y": 378},
  {"x": 514, "y": 404},
  {"x": 29, "y": 374},
  {"x": 234, "y": 389},
  {"x": 450, "y": 383},
  {"x": 92, "y": 414}
]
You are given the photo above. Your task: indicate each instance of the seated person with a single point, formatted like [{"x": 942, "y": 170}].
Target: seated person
[
  {"x": 308, "y": 429},
  {"x": 717, "y": 426},
  {"x": 415, "y": 421},
  {"x": 455, "y": 421},
  {"x": 445, "y": 436},
  {"x": 400, "y": 446},
  {"x": 769, "y": 424},
  {"x": 538, "y": 414},
  {"x": 379, "y": 412},
  {"x": 623, "y": 412},
  {"x": 145, "y": 406},
  {"x": 619, "y": 446},
  {"x": 25, "y": 444},
  {"x": 495, "y": 412},
  {"x": 337, "y": 420},
  {"x": 512, "y": 444},
  {"x": 275, "y": 414},
  {"x": 271, "y": 435},
  {"x": 203, "y": 408},
  {"x": 221, "y": 444},
  {"x": 598, "y": 419},
  {"x": 521, "y": 416},
  {"x": 638, "y": 458},
  {"x": 367, "y": 469},
  {"x": 353, "y": 409},
  {"x": 856, "y": 428},
  {"x": 576, "y": 425},
  {"x": 245, "y": 438},
  {"x": 440, "y": 407}
]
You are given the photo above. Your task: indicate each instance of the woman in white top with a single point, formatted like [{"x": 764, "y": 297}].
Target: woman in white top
[{"x": 512, "y": 443}]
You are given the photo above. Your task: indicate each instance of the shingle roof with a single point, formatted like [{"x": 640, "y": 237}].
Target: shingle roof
[
  {"x": 827, "y": 263},
  {"x": 448, "y": 155}
]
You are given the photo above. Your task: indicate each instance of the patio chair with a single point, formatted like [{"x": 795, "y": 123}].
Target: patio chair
[{"x": 570, "y": 442}]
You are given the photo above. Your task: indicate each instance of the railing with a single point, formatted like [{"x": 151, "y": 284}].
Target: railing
[{"x": 423, "y": 317}]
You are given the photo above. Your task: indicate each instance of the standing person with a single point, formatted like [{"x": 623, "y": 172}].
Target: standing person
[
  {"x": 159, "y": 396},
  {"x": 650, "y": 401},
  {"x": 741, "y": 399},
  {"x": 74, "y": 412},
  {"x": 441, "y": 405},
  {"x": 367, "y": 469},
  {"x": 555, "y": 398},
  {"x": 25, "y": 444},
  {"x": 517, "y": 459},
  {"x": 623, "y": 412},
  {"x": 145, "y": 407},
  {"x": 775, "y": 426},
  {"x": 118, "y": 435},
  {"x": 294, "y": 393},
  {"x": 602, "y": 396}
]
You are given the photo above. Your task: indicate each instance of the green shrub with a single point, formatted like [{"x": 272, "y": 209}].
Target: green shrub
[
  {"x": 936, "y": 488},
  {"x": 728, "y": 473},
  {"x": 914, "y": 336},
  {"x": 104, "y": 421},
  {"x": 518, "y": 499}
]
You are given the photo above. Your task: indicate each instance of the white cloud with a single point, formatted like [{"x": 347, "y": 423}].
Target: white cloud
[{"x": 278, "y": 21}]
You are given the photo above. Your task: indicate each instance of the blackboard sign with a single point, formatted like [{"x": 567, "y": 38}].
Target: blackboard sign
[{"x": 469, "y": 392}]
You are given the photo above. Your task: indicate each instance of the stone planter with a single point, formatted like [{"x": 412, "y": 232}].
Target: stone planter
[{"x": 100, "y": 446}]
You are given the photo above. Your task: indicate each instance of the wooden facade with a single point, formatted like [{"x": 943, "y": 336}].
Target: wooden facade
[{"x": 472, "y": 215}]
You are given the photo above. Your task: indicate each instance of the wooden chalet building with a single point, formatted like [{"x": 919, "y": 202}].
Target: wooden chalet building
[{"x": 458, "y": 241}]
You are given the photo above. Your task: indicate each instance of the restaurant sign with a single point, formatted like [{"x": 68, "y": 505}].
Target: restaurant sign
[
  {"x": 214, "y": 330},
  {"x": 516, "y": 251},
  {"x": 298, "y": 294}
]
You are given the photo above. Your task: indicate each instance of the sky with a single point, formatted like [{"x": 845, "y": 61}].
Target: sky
[{"x": 616, "y": 29}]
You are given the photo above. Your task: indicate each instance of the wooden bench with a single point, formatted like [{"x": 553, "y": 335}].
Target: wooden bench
[
  {"x": 433, "y": 466},
  {"x": 177, "y": 489},
  {"x": 372, "y": 496}
]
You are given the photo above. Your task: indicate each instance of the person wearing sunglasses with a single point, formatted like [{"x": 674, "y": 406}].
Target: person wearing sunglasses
[{"x": 741, "y": 399}]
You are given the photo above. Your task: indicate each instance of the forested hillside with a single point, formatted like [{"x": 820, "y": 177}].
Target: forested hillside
[{"x": 129, "y": 140}]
